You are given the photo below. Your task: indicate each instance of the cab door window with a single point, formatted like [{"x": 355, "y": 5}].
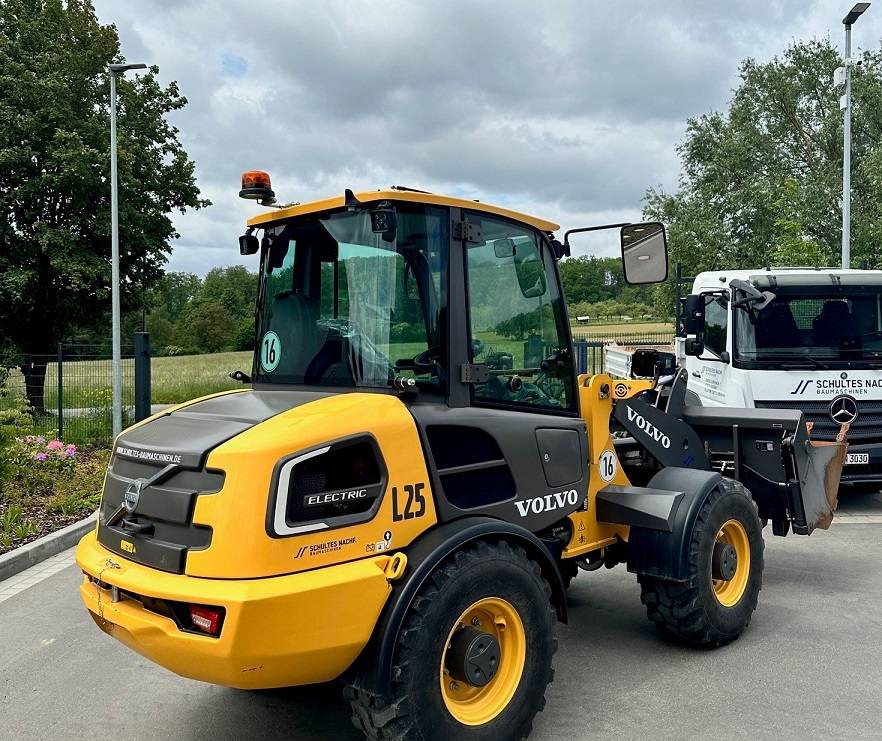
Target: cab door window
[
  {"x": 517, "y": 319},
  {"x": 716, "y": 325}
]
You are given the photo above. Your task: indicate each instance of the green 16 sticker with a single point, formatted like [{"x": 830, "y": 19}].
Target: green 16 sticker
[{"x": 270, "y": 351}]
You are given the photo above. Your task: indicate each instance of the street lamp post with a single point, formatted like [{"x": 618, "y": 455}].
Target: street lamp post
[
  {"x": 849, "y": 20},
  {"x": 116, "y": 363}
]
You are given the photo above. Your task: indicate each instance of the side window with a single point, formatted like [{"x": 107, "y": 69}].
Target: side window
[
  {"x": 517, "y": 319},
  {"x": 716, "y": 323}
]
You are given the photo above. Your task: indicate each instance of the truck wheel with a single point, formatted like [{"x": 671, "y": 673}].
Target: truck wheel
[
  {"x": 715, "y": 605},
  {"x": 473, "y": 658}
]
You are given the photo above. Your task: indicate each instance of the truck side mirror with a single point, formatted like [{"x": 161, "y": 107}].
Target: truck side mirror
[
  {"x": 693, "y": 324},
  {"x": 644, "y": 253},
  {"x": 694, "y": 347},
  {"x": 693, "y": 314}
]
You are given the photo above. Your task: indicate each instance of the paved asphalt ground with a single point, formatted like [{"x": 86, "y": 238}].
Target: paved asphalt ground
[{"x": 809, "y": 665}]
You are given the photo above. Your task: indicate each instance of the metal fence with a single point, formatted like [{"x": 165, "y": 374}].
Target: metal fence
[
  {"x": 589, "y": 352},
  {"x": 68, "y": 392}
]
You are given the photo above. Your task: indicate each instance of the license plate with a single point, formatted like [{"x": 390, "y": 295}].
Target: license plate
[{"x": 852, "y": 459}]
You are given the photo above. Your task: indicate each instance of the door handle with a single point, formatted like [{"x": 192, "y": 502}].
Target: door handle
[{"x": 696, "y": 374}]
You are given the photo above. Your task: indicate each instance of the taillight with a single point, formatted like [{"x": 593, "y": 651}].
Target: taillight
[{"x": 206, "y": 619}]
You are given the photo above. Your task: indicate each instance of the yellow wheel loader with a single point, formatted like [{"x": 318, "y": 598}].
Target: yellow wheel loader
[{"x": 414, "y": 472}]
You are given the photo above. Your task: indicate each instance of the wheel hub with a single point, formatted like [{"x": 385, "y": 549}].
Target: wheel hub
[
  {"x": 473, "y": 656},
  {"x": 724, "y": 564}
]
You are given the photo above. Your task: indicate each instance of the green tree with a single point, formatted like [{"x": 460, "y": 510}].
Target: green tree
[
  {"x": 209, "y": 327},
  {"x": 762, "y": 182},
  {"x": 167, "y": 301},
  {"x": 600, "y": 283},
  {"x": 234, "y": 287},
  {"x": 54, "y": 177}
]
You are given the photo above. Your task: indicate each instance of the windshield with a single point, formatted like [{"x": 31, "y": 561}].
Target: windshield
[
  {"x": 812, "y": 325},
  {"x": 341, "y": 305}
]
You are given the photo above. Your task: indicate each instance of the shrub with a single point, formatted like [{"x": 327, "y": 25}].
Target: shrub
[
  {"x": 14, "y": 420},
  {"x": 48, "y": 483}
]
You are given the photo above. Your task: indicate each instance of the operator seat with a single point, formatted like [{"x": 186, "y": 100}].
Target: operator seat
[
  {"x": 834, "y": 324},
  {"x": 294, "y": 318},
  {"x": 777, "y": 327}
]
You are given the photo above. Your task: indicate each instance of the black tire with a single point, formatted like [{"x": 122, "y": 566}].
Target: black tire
[
  {"x": 690, "y": 611},
  {"x": 415, "y": 709}
]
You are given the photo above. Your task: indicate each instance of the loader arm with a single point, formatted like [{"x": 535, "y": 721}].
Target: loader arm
[{"x": 793, "y": 480}]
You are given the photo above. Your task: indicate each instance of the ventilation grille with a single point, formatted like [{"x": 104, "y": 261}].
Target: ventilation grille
[
  {"x": 347, "y": 480},
  {"x": 471, "y": 467}
]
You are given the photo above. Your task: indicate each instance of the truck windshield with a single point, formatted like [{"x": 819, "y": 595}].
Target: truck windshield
[
  {"x": 341, "y": 305},
  {"x": 819, "y": 325}
]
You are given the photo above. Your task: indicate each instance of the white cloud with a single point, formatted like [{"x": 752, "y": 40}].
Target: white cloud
[{"x": 569, "y": 110}]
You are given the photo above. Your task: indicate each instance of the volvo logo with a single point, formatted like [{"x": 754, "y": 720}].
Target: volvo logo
[
  {"x": 843, "y": 410},
  {"x": 133, "y": 494}
]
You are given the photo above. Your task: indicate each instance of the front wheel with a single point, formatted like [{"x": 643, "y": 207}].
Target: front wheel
[
  {"x": 473, "y": 658},
  {"x": 715, "y": 604}
]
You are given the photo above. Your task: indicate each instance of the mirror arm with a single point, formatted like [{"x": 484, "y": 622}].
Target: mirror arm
[{"x": 582, "y": 229}]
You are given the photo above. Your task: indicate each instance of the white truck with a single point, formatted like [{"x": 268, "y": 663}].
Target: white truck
[{"x": 791, "y": 338}]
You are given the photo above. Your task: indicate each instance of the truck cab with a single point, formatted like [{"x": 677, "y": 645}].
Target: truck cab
[{"x": 792, "y": 338}]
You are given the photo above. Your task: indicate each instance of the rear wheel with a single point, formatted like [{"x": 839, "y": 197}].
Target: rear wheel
[
  {"x": 725, "y": 573},
  {"x": 474, "y": 656}
]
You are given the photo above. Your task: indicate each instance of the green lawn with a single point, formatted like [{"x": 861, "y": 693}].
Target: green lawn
[
  {"x": 183, "y": 377},
  {"x": 591, "y": 331}
]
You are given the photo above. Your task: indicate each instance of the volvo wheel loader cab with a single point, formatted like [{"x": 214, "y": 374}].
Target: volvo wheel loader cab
[{"x": 407, "y": 485}]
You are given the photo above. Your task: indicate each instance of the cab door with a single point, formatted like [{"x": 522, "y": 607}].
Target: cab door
[
  {"x": 517, "y": 448},
  {"x": 709, "y": 373}
]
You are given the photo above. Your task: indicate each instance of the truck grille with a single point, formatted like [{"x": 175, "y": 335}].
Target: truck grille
[{"x": 866, "y": 428}]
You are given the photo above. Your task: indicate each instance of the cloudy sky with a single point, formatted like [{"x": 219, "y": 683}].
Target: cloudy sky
[{"x": 568, "y": 109}]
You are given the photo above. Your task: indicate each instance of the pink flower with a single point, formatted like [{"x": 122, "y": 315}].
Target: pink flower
[
  {"x": 69, "y": 453},
  {"x": 41, "y": 456},
  {"x": 71, "y": 449},
  {"x": 54, "y": 445}
]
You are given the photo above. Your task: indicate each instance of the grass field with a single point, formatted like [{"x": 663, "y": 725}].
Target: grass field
[
  {"x": 179, "y": 378},
  {"x": 591, "y": 331},
  {"x": 176, "y": 379}
]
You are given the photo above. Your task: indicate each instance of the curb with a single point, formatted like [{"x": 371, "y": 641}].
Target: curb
[{"x": 38, "y": 550}]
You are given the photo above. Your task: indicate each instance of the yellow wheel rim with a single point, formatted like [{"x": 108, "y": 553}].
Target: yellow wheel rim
[
  {"x": 729, "y": 592},
  {"x": 474, "y": 706}
]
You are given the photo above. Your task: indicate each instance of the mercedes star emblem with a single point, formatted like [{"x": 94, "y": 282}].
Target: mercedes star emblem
[{"x": 843, "y": 410}]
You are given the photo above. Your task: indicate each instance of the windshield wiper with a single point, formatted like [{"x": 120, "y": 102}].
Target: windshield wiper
[{"x": 790, "y": 363}]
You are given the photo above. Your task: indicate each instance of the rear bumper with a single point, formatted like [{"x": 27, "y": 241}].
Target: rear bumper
[{"x": 277, "y": 632}]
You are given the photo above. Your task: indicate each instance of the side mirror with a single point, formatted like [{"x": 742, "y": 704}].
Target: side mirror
[
  {"x": 504, "y": 248},
  {"x": 644, "y": 253},
  {"x": 694, "y": 347},
  {"x": 248, "y": 244},
  {"x": 693, "y": 314},
  {"x": 531, "y": 274},
  {"x": 693, "y": 324}
]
